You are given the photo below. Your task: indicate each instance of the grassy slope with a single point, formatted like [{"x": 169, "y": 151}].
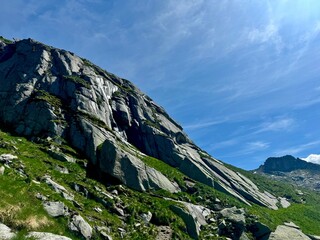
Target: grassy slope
[
  {"x": 306, "y": 215},
  {"x": 20, "y": 209}
]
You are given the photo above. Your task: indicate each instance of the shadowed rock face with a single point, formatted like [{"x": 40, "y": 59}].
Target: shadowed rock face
[{"x": 50, "y": 92}]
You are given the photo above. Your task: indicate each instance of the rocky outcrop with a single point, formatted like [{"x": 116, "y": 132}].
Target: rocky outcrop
[
  {"x": 78, "y": 224},
  {"x": 131, "y": 170},
  {"x": 55, "y": 209},
  {"x": 288, "y": 233},
  {"x": 194, "y": 217},
  {"x": 6, "y": 233},
  {"x": 293, "y": 170},
  {"x": 47, "y": 92}
]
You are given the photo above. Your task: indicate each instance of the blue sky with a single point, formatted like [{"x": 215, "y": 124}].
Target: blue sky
[{"x": 241, "y": 77}]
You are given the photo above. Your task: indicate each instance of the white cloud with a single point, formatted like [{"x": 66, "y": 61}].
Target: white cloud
[
  {"x": 270, "y": 33},
  {"x": 294, "y": 150},
  {"x": 313, "y": 158},
  {"x": 258, "y": 145},
  {"x": 204, "y": 124},
  {"x": 283, "y": 124}
]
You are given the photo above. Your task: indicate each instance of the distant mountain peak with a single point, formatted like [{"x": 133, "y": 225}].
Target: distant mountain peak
[{"x": 286, "y": 163}]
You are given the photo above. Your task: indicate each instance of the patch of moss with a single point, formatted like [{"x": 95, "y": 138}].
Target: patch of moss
[
  {"x": 49, "y": 98},
  {"x": 78, "y": 80},
  {"x": 93, "y": 119}
]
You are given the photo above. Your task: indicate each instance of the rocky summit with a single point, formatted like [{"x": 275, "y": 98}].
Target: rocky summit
[
  {"x": 52, "y": 93},
  {"x": 290, "y": 169},
  {"x": 84, "y": 154}
]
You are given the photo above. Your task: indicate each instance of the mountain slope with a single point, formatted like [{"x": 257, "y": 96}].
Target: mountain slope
[
  {"x": 101, "y": 159},
  {"x": 287, "y": 164},
  {"x": 294, "y": 170},
  {"x": 47, "y": 92}
]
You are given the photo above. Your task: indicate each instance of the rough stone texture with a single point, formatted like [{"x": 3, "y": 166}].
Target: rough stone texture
[
  {"x": 194, "y": 217},
  {"x": 55, "y": 209},
  {"x": 131, "y": 170},
  {"x": 284, "y": 202},
  {"x": 234, "y": 215},
  {"x": 5, "y": 232},
  {"x": 287, "y": 233},
  {"x": 292, "y": 170},
  {"x": 78, "y": 224},
  {"x": 164, "y": 233},
  {"x": 7, "y": 158},
  {"x": 47, "y": 92},
  {"x": 58, "y": 188},
  {"x": 46, "y": 236}
]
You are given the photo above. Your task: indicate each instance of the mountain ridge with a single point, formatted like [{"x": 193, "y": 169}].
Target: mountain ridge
[
  {"x": 103, "y": 159},
  {"x": 286, "y": 163},
  {"x": 59, "y": 95}
]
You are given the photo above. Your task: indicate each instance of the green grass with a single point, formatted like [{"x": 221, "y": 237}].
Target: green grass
[
  {"x": 77, "y": 80},
  {"x": 42, "y": 95},
  {"x": 20, "y": 209},
  {"x": 305, "y": 215}
]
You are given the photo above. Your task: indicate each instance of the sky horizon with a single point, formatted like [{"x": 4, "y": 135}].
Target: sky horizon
[{"x": 241, "y": 77}]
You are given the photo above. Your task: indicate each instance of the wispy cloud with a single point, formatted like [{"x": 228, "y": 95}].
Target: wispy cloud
[
  {"x": 249, "y": 148},
  {"x": 282, "y": 124},
  {"x": 267, "y": 34},
  {"x": 295, "y": 150},
  {"x": 204, "y": 124}
]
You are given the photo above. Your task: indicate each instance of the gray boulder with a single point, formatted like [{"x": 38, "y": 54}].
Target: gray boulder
[
  {"x": 234, "y": 215},
  {"x": 283, "y": 232},
  {"x": 46, "y": 236},
  {"x": 58, "y": 188},
  {"x": 7, "y": 158},
  {"x": 55, "y": 209},
  {"x": 78, "y": 224},
  {"x": 6, "y": 233},
  {"x": 194, "y": 216}
]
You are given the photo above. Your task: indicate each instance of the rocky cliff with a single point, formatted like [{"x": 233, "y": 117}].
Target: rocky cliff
[{"x": 48, "y": 93}]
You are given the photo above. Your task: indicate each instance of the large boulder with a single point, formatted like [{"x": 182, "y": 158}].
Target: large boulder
[
  {"x": 283, "y": 232},
  {"x": 78, "y": 224},
  {"x": 55, "y": 209},
  {"x": 6, "y": 233},
  {"x": 194, "y": 216},
  {"x": 46, "y": 236}
]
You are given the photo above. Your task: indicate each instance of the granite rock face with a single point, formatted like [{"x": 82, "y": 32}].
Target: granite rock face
[{"x": 48, "y": 92}]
